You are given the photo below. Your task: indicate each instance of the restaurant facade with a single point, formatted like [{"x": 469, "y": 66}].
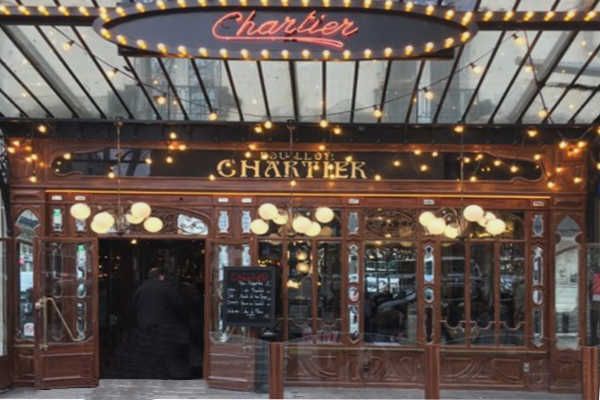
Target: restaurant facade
[{"x": 391, "y": 223}]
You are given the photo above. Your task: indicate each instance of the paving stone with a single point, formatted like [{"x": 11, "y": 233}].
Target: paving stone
[{"x": 113, "y": 389}]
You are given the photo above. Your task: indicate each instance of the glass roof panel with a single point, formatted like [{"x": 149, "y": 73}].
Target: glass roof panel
[
  {"x": 573, "y": 60},
  {"x": 218, "y": 82},
  {"x": 86, "y": 71},
  {"x": 107, "y": 54},
  {"x": 247, "y": 85},
  {"x": 439, "y": 72},
  {"x": 30, "y": 77},
  {"x": 580, "y": 51},
  {"x": 154, "y": 82},
  {"x": 400, "y": 87},
  {"x": 371, "y": 75},
  {"x": 340, "y": 77},
  {"x": 279, "y": 89},
  {"x": 497, "y": 78},
  {"x": 18, "y": 93},
  {"x": 539, "y": 53},
  {"x": 422, "y": 110},
  {"x": 465, "y": 79},
  {"x": 591, "y": 111},
  {"x": 7, "y": 109},
  {"x": 85, "y": 106},
  {"x": 186, "y": 84},
  {"x": 308, "y": 88}
]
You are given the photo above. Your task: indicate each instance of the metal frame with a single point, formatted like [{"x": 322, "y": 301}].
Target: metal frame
[
  {"x": 385, "y": 87},
  {"x": 263, "y": 89},
  {"x": 415, "y": 91},
  {"x": 202, "y": 86},
  {"x": 172, "y": 87},
  {"x": 238, "y": 105},
  {"x": 26, "y": 88},
  {"x": 142, "y": 87}
]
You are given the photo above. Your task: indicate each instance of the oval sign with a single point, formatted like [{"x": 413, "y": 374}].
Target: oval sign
[{"x": 290, "y": 30}]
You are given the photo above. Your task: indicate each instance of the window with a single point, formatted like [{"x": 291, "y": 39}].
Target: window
[
  {"x": 26, "y": 225},
  {"x": 3, "y": 281}
]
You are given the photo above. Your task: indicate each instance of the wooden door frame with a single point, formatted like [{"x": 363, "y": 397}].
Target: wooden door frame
[{"x": 92, "y": 344}]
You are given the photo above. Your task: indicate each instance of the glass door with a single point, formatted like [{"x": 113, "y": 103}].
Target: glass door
[{"x": 66, "y": 352}]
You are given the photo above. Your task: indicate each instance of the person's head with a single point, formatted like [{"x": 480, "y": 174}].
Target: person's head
[{"x": 156, "y": 273}]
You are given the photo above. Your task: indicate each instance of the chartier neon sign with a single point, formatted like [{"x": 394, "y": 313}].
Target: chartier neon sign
[{"x": 314, "y": 29}]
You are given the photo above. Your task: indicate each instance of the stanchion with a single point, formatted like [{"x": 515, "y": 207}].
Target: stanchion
[
  {"x": 432, "y": 371},
  {"x": 275, "y": 370},
  {"x": 589, "y": 372}
]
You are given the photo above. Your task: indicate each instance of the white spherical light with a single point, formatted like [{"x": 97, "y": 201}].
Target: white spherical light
[
  {"x": 437, "y": 226},
  {"x": 141, "y": 210},
  {"x": 153, "y": 224},
  {"x": 268, "y": 211},
  {"x": 324, "y": 215},
  {"x": 301, "y": 224},
  {"x": 451, "y": 231},
  {"x": 426, "y": 217},
  {"x": 97, "y": 227},
  {"x": 281, "y": 218},
  {"x": 133, "y": 220},
  {"x": 495, "y": 227},
  {"x": 473, "y": 213},
  {"x": 483, "y": 221},
  {"x": 104, "y": 219},
  {"x": 80, "y": 211},
  {"x": 259, "y": 227},
  {"x": 313, "y": 230},
  {"x": 303, "y": 267}
]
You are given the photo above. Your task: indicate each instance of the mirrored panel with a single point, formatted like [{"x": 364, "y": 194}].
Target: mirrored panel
[
  {"x": 566, "y": 289},
  {"x": 300, "y": 286},
  {"x": 329, "y": 282}
]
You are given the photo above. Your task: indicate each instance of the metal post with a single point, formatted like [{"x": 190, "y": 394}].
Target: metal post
[
  {"x": 589, "y": 372},
  {"x": 432, "y": 371},
  {"x": 275, "y": 370}
]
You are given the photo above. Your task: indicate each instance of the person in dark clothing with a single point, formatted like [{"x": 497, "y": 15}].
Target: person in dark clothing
[{"x": 161, "y": 338}]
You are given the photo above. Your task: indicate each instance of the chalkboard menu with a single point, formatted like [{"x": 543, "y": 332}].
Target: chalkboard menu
[{"x": 249, "y": 296}]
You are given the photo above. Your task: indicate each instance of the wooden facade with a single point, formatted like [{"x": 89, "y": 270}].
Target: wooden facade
[{"x": 344, "y": 360}]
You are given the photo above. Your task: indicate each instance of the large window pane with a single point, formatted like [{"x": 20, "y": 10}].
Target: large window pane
[
  {"x": 390, "y": 292},
  {"x": 453, "y": 293},
  {"x": 329, "y": 290},
  {"x": 482, "y": 293},
  {"x": 299, "y": 287},
  {"x": 512, "y": 294}
]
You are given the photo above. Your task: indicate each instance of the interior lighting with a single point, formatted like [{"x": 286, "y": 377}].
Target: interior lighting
[{"x": 212, "y": 116}]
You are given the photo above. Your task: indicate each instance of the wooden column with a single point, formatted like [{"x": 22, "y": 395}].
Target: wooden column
[
  {"x": 589, "y": 372},
  {"x": 276, "y": 370},
  {"x": 432, "y": 371}
]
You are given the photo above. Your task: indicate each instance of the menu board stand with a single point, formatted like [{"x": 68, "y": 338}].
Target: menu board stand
[{"x": 249, "y": 295}]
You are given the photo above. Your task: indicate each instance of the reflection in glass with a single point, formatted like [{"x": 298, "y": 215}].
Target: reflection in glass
[
  {"x": 353, "y": 223},
  {"x": 390, "y": 292},
  {"x": 353, "y": 294},
  {"x": 329, "y": 286},
  {"x": 299, "y": 286},
  {"x": 537, "y": 266},
  {"x": 429, "y": 295},
  {"x": 512, "y": 293},
  {"x": 537, "y": 297},
  {"x": 566, "y": 288},
  {"x": 387, "y": 224},
  {"x": 453, "y": 293},
  {"x": 482, "y": 293},
  {"x": 3, "y": 285},
  {"x": 269, "y": 253},
  {"x": 352, "y": 263},
  {"x": 428, "y": 324}
]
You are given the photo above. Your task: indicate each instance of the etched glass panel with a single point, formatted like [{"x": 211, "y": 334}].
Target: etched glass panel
[
  {"x": 453, "y": 293},
  {"x": 245, "y": 221},
  {"x": 429, "y": 264},
  {"x": 353, "y": 224},
  {"x": 188, "y": 225},
  {"x": 482, "y": 293},
  {"x": 537, "y": 273},
  {"x": 353, "y": 263},
  {"x": 329, "y": 283},
  {"x": 25, "y": 328},
  {"x": 223, "y": 221},
  {"x": 538, "y": 225},
  {"x": 566, "y": 284},
  {"x": 390, "y": 292},
  {"x": 353, "y": 322},
  {"x": 538, "y": 328},
  {"x": 512, "y": 294}
]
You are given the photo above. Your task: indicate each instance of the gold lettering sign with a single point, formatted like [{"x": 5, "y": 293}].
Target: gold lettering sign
[{"x": 284, "y": 164}]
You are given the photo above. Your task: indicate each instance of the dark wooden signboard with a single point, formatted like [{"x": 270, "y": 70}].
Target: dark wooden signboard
[{"x": 249, "y": 296}]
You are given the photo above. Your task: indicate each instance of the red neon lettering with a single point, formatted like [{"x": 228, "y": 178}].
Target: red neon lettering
[{"x": 312, "y": 29}]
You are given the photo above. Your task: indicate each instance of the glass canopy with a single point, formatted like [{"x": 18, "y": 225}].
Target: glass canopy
[{"x": 499, "y": 77}]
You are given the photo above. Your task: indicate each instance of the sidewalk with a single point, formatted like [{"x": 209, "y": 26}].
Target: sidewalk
[{"x": 155, "y": 389}]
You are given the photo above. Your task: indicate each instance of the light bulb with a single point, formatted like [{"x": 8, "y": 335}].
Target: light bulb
[
  {"x": 153, "y": 224},
  {"x": 80, "y": 211},
  {"x": 473, "y": 213},
  {"x": 426, "y": 217},
  {"x": 267, "y": 211},
  {"x": 141, "y": 209},
  {"x": 324, "y": 215},
  {"x": 259, "y": 227}
]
